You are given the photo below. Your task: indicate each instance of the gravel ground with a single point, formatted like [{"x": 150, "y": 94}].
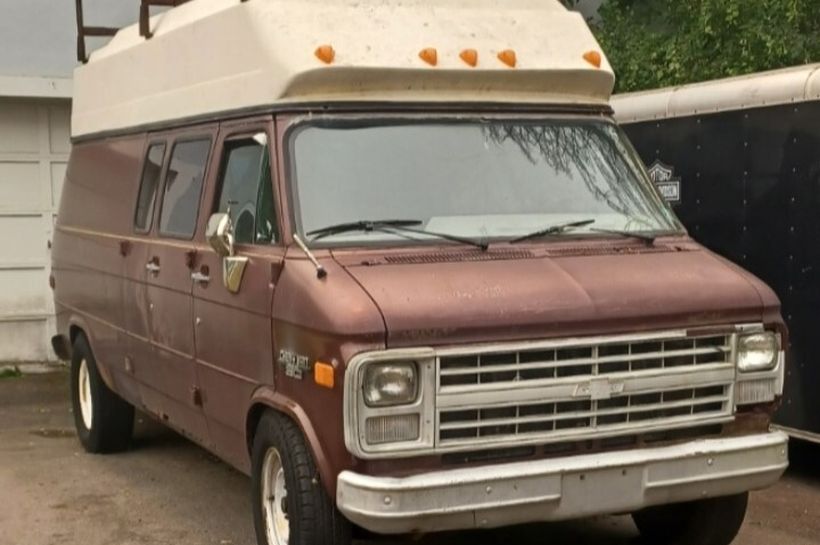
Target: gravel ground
[{"x": 169, "y": 491}]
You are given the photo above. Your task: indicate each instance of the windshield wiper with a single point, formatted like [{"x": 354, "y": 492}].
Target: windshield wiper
[
  {"x": 648, "y": 237},
  {"x": 553, "y": 230},
  {"x": 362, "y": 225},
  {"x": 391, "y": 227}
]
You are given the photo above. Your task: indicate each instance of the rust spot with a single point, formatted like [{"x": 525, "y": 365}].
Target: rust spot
[{"x": 190, "y": 258}]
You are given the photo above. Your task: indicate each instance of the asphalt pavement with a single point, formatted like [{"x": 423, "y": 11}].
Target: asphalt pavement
[{"x": 166, "y": 490}]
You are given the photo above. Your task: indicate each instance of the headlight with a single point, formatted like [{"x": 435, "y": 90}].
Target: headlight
[
  {"x": 757, "y": 352},
  {"x": 389, "y": 408},
  {"x": 390, "y": 384}
]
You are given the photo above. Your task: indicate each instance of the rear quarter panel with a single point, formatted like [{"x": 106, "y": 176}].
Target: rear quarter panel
[{"x": 95, "y": 214}]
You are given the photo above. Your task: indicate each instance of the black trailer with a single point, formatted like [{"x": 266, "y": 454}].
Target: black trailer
[{"x": 739, "y": 159}]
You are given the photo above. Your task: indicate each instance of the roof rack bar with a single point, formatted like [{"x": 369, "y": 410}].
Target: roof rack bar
[
  {"x": 145, "y": 13},
  {"x": 144, "y": 23},
  {"x": 100, "y": 31},
  {"x": 83, "y": 31}
]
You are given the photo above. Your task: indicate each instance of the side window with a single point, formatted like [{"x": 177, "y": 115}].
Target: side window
[
  {"x": 183, "y": 185},
  {"x": 247, "y": 190},
  {"x": 151, "y": 170}
]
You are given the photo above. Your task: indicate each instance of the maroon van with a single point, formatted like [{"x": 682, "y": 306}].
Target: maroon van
[{"x": 429, "y": 295}]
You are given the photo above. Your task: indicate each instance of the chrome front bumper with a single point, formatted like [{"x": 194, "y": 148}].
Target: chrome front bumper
[{"x": 562, "y": 488}]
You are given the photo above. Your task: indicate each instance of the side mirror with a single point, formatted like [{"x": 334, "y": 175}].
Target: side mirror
[{"x": 219, "y": 234}]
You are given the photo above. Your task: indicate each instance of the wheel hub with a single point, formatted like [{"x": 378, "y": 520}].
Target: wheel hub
[
  {"x": 275, "y": 499},
  {"x": 84, "y": 390}
]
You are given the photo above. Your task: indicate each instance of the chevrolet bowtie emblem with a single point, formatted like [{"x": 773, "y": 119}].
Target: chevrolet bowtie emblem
[{"x": 598, "y": 388}]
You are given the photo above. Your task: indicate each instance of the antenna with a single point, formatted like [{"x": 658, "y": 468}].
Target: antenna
[{"x": 321, "y": 272}]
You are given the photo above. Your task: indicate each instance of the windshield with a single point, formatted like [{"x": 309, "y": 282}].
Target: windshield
[{"x": 484, "y": 179}]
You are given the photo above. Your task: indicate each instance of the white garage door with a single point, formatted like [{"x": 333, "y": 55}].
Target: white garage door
[{"x": 34, "y": 148}]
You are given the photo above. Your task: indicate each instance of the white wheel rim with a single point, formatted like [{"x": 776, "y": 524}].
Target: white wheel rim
[
  {"x": 274, "y": 499},
  {"x": 84, "y": 388}
]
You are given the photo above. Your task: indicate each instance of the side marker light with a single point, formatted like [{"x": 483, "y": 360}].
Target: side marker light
[
  {"x": 469, "y": 56},
  {"x": 593, "y": 58},
  {"x": 325, "y": 53},
  {"x": 323, "y": 374},
  {"x": 508, "y": 57},
  {"x": 429, "y": 55}
]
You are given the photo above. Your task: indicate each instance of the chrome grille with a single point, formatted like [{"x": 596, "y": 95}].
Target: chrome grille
[
  {"x": 575, "y": 389},
  {"x": 571, "y": 361}
]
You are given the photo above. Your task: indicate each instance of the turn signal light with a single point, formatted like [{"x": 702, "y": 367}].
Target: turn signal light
[
  {"x": 469, "y": 56},
  {"x": 429, "y": 55},
  {"x": 508, "y": 57},
  {"x": 593, "y": 58},
  {"x": 325, "y": 53},
  {"x": 323, "y": 374}
]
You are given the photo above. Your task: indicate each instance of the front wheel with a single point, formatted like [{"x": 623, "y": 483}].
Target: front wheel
[
  {"x": 290, "y": 506},
  {"x": 713, "y": 521}
]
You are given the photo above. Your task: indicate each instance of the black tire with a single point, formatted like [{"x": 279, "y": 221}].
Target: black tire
[
  {"x": 312, "y": 516},
  {"x": 713, "y": 521},
  {"x": 112, "y": 418}
]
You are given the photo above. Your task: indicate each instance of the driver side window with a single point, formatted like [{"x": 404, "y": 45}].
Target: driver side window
[{"x": 246, "y": 189}]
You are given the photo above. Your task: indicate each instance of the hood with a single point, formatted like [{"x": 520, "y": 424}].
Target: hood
[{"x": 439, "y": 299}]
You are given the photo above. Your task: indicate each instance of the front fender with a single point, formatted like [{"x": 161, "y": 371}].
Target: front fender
[{"x": 266, "y": 398}]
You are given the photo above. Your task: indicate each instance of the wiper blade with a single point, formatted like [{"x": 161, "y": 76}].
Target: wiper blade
[
  {"x": 648, "y": 237},
  {"x": 392, "y": 227},
  {"x": 455, "y": 238},
  {"x": 553, "y": 230},
  {"x": 362, "y": 225}
]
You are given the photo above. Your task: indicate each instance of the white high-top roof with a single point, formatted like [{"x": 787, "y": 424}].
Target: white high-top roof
[
  {"x": 213, "y": 56},
  {"x": 786, "y": 86}
]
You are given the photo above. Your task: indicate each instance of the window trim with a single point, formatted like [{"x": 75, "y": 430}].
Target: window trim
[
  {"x": 150, "y": 223},
  {"x": 246, "y": 133},
  {"x": 184, "y": 140}
]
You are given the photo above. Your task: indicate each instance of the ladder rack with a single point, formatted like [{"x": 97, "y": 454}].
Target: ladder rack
[{"x": 84, "y": 31}]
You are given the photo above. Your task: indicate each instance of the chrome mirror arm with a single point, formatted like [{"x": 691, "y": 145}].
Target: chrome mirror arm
[
  {"x": 320, "y": 271},
  {"x": 229, "y": 230}
]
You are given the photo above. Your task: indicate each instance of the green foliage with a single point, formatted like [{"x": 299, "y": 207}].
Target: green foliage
[
  {"x": 657, "y": 43},
  {"x": 10, "y": 372}
]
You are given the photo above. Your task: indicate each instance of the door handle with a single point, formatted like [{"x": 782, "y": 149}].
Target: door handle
[
  {"x": 152, "y": 267},
  {"x": 200, "y": 278}
]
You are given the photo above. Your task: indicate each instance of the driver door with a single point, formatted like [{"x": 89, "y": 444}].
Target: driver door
[{"x": 233, "y": 334}]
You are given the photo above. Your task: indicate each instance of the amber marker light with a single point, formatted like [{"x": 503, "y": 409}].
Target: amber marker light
[
  {"x": 470, "y": 56},
  {"x": 593, "y": 58},
  {"x": 323, "y": 374},
  {"x": 325, "y": 53},
  {"x": 508, "y": 57},
  {"x": 429, "y": 55}
]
